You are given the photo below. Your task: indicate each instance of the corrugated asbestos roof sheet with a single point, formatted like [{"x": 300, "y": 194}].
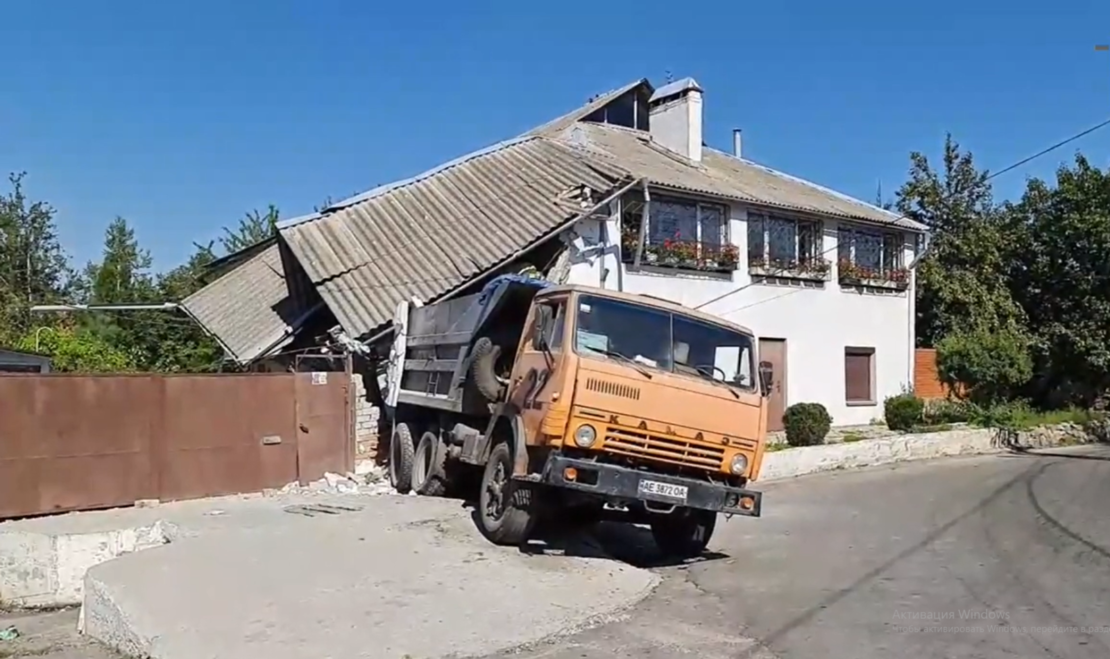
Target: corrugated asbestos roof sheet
[
  {"x": 244, "y": 307},
  {"x": 427, "y": 235},
  {"x": 721, "y": 175}
]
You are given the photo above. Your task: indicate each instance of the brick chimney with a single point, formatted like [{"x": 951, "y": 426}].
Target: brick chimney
[{"x": 676, "y": 117}]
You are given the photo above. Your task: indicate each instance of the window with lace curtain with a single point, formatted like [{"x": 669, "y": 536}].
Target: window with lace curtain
[{"x": 679, "y": 234}]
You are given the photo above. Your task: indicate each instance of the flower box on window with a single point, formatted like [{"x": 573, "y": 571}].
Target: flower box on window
[
  {"x": 814, "y": 268},
  {"x": 684, "y": 254},
  {"x": 851, "y": 274}
]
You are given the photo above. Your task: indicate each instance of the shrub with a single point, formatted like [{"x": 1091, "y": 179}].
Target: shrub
[
  {"x": 991, "y": 365},
  {"x": 806, "y": 424},
  {"x": 942, "y": 411},
  {"x": 903, "y": 412}
]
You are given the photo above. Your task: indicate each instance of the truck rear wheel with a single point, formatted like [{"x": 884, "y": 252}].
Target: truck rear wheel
[
  {"x": 505, "y": 510},
  {"x": 684, "y": 533},
  {"x": 401, "y": 451},
  {"x": 429, "y": 459}
]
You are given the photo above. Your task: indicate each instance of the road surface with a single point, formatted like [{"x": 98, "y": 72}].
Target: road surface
[{"x": 981, "y": 558}]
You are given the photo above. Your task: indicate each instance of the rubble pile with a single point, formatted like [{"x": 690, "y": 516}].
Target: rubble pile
[{"x": 370, "y": 480}]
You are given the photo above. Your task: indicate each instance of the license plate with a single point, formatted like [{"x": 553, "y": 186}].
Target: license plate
[{"x": 663, "y": 489}]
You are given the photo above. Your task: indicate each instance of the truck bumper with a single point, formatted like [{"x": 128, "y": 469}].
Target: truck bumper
[{"x": 611, "y": 481}]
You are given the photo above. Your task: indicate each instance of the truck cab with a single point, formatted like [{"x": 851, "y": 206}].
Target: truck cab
[{"x": 616, "y": 405}]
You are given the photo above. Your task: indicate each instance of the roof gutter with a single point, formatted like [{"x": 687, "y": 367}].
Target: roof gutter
[{"x": 524, "y": 250}]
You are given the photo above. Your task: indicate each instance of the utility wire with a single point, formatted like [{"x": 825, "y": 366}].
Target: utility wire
[{"x": 1008, "y": 168}]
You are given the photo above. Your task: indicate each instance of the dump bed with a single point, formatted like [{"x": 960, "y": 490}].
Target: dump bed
[{"x": 432, "y": 344}]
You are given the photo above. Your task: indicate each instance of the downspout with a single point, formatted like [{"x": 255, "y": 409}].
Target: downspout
[
  {"x": 912, "y": 309},
  {"x": 620, "y": 244},
  {"x": 644, "y": 220}
]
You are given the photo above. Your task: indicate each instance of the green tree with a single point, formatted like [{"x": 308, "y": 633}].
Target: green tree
[
  {"x": 75, "y": 349},
  {"x": 252, "y": 229},
  {"x": 1061, "y": 277},
  {"x": 33, "y": 267},
  {"x": 963, "y": 283}
]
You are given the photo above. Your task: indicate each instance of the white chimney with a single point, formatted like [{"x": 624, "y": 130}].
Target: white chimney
[
  {"x": 737, "y": 143},
  {"x": 676, "y": 117}
]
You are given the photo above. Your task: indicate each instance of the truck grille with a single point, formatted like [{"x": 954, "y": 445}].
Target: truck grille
[{"x": 672, "y": 450}]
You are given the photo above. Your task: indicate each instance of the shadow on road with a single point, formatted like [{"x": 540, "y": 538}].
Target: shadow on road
[{"x": 627, "y": 543}]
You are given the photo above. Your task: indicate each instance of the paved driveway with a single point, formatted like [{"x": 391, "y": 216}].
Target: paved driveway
[{"x": 981, "y": 558}]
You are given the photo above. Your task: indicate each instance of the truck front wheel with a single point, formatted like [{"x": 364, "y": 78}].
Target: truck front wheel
[
  {"x": 505, "y": 508},
  {"x": 684, "y": 533}
]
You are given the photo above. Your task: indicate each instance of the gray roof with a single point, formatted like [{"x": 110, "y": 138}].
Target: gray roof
[
  {"x": 675, "y": 88},
  {"x": 248, "y": 309},
  {"x": 427, "y": 235},
  {"x": 721, "y": 175}
]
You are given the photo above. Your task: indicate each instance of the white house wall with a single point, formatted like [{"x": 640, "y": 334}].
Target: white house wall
[{"x": 817, "y": 324}]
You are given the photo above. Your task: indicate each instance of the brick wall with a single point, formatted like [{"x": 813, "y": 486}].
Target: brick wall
[{"x": 367, "y": 418}]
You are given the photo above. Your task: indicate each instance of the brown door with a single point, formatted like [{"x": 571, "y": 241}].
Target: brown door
[
  {"x": 774, "y": 351},
  {"x": 535, "y": 373},
  {"x": 324, "y": 438}
]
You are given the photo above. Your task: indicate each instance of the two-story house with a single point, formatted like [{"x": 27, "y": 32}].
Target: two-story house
[
  {"x": 822, "y": 278},
  {"x": 645, "y": 207}
]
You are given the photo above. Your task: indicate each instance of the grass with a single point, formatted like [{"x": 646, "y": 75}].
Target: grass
[{"x": 853, "y": 436}]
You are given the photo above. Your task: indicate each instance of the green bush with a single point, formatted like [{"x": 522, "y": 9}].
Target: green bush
[
  {"x": 941, "y": 411},
  {"x": 903, "y": 412},
  {"x": 991, "y": 365},
  {"x": 806, "y": 424}
]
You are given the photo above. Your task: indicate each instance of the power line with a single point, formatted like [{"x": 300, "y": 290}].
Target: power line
[{"x": 1009, "y": 168}]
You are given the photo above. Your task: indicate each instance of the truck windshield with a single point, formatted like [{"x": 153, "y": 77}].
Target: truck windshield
[{"x": 660, "y": 339}]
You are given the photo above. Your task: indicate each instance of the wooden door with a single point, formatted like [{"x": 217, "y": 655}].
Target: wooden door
[{"x": 774, "y": 351}]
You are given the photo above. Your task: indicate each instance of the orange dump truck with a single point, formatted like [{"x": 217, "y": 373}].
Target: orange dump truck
[{"x": 571, "y": 398}]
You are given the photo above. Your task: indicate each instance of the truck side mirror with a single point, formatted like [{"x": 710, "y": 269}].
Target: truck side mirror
[
  {"x": 542, "y": 322},
  {"x": 766, "y": 377}
]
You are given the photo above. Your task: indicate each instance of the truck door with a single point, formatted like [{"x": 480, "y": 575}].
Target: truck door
[{"x": 534, "y": 373}]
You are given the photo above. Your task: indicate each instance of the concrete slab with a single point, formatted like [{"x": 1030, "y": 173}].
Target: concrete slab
[
  {"x": 43, "y": 560},
  {"x": 403, "y": 577}
]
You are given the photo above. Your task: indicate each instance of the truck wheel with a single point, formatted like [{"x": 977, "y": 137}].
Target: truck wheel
[
  {"x": 400, "y": 458},
  {"x": 505, "y": 510},
  {"x": 429, "y": 459},
  {"x": 684, "y": 533},
  {"x": 483, "y": 370}
]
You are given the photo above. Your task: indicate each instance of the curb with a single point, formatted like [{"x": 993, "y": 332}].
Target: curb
[{"x": 802, "y": 461}]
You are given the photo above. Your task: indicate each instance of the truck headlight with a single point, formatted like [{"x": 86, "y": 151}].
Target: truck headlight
[
  {"x": 739, "y": 464},
  {"x": 585, "y": 436}
]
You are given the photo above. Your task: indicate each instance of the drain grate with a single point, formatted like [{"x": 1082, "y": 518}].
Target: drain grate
[{"x": 314, "y": 509}]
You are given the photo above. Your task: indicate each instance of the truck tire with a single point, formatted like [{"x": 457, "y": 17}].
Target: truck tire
[
  {"x": 428, "y": 475},
  {"x": 483, "y": 369},
  {"x": 684, "y": 533},
  {"x": 401, "y": 451},
  {"x": 505, "y": 512}
]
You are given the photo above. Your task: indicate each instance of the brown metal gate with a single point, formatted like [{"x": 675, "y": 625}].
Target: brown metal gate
[{"x": 87, "y": 442}]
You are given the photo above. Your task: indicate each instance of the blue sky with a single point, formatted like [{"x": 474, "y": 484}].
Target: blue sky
[{"x": 183, "y": 116}]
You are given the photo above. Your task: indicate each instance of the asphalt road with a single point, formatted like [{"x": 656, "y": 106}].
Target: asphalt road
[{"x": 981, "y": 558}]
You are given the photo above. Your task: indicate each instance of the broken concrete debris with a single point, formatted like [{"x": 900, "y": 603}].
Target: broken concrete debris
[{"x": 372, "y": 482}]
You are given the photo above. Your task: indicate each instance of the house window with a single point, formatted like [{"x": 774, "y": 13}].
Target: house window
[
  {"x": 788, "y": 247},
  {"x": 679, "y": 234},
  {"x": 859, "y": 376},
  {"x": 871, "y": 258}
]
